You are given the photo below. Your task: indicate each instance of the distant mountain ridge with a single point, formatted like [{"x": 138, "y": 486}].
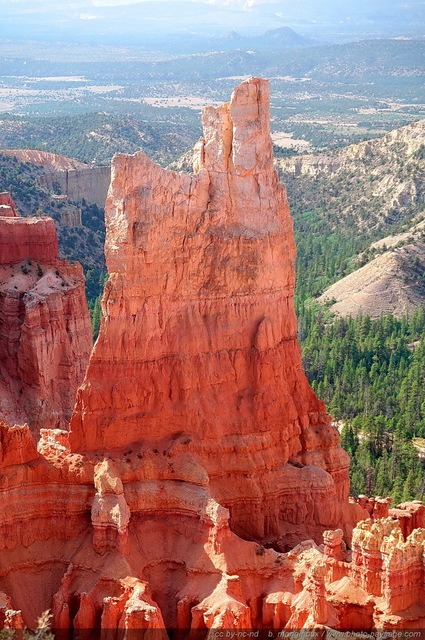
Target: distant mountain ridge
[
  {"x": 283, "y": 37},
  {"x": 278, "y": 39},
  {"x": 86, "y": 21}
]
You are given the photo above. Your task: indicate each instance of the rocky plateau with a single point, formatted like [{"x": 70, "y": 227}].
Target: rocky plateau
[{"x": 199, "y": 484}]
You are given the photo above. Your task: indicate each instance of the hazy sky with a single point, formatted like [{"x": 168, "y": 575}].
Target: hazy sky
[
  {"x": 318, "y": 5},
  {"x": 30, "y": 17},
  {"x": 315, "y": 5}
]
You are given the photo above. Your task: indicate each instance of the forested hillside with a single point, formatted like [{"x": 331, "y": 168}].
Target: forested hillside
[
  {"x": 353, "y": 204},
  {"x": 97, "y": 136},
  {"x": 370, "y": 374}
]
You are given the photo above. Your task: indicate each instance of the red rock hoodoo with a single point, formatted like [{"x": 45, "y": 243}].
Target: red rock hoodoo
[
  {"x": 198, "y": 351},
  {"x": 45, "y": 331},
  {"x": 198, "y": 453}
]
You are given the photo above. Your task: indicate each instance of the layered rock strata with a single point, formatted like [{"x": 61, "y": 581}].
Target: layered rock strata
[
  {"x": 194, "y": 428},
  {"x": 83, "y": 537},
  {"x": 27, "y": 238},
  {"x": 45, "y": 330},
  {"x": 197, "y": 355},
  {"x": 77, "y": 180}
]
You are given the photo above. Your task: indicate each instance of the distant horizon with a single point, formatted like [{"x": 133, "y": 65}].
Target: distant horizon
[
  {"x": 132, "y": 21},
  {"x": 313, "y": 6}
]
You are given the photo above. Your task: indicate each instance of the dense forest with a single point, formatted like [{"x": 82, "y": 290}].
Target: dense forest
[{"x": 370, "y": 373}]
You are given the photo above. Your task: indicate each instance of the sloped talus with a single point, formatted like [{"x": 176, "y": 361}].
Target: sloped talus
[{"x": 198, "y": 343}]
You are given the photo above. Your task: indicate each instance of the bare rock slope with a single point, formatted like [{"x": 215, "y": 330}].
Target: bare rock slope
[
  {"x": 370, "y": 196},
  {"x": 369, "y": 183},
  {"x": 393, "y": 282}
]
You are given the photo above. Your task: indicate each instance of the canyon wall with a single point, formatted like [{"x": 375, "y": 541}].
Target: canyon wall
[
  {"x": 68, "y": 176},
  {"x": 87, "y": 183}
]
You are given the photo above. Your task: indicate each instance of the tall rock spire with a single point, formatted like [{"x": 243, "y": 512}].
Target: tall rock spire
[{"x": 198, "y": 342}]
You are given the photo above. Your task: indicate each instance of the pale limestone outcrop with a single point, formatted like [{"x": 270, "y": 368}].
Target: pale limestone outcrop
[
  {"x": 7, "y": 206},
  {"x": 84, "y": 183},
  {"x": 109, "y": 513},
  {"x": 77, "y": 180}
]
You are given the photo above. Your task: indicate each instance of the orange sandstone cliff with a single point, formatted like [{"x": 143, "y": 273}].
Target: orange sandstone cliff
[
  {"x": 202, "y": 485},
  {"x": 45, "y": 331},
  {"x": 198, "y": 353}
]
